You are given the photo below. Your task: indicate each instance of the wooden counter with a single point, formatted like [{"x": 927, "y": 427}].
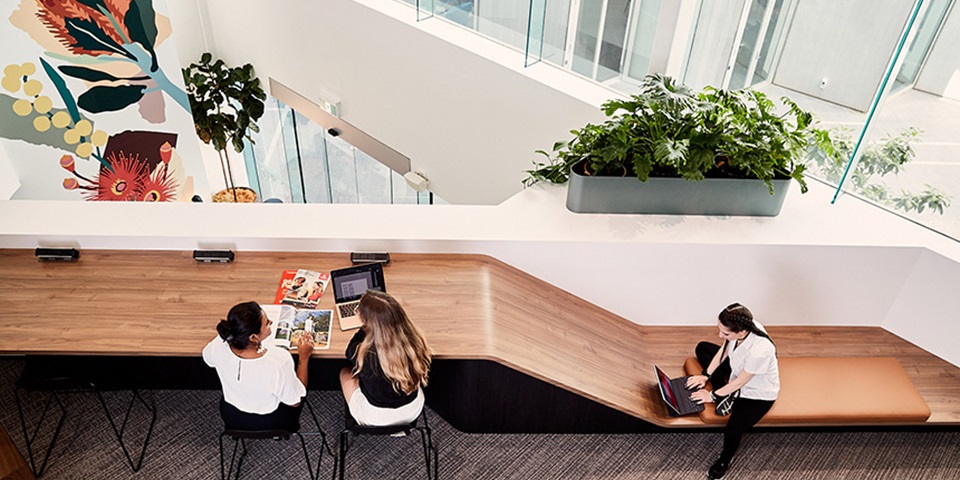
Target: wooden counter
[{"x": 471, "y": 308}]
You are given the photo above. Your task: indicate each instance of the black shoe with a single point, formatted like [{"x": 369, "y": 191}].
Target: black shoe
[{"x": 718, "y": 470}]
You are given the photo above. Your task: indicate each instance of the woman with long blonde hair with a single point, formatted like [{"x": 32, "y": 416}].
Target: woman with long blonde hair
[{"x": 389, "y": 363}]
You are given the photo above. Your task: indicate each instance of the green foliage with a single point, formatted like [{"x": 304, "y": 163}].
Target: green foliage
[
  {"x": 226, "y": 101},
  {"x": 670, "y": 130},
  {"x": 880, "y": 158}
]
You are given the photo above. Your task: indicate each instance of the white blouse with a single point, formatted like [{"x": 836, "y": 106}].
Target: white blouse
[
  {"x": 758, "y": 356},
  {"x": 255, "y": 385}
]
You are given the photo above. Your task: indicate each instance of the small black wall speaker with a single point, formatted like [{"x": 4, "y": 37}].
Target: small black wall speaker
[
  {"x": 58, "y": 254},
  {"x": 211, "y": 256}
]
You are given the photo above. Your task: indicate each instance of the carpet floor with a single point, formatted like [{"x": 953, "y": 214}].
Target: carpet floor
[{"x": 185, "y": 438}]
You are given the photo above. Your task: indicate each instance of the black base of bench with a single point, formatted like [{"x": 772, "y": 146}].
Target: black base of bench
[{"x": 473, "y": 396}]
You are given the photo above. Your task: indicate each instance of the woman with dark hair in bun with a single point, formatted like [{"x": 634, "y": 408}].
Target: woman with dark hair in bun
[
  {"x": 261, "y": 387},
  {"x": 747, "y": 361}
]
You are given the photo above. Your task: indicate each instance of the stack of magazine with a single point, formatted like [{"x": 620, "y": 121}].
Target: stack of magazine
[{"x": 295, "y": 313}]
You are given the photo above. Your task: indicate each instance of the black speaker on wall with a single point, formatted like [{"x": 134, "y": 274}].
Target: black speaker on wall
[
  {"x": 213, "y": 256},
  {"x": 58, "y": 254}
]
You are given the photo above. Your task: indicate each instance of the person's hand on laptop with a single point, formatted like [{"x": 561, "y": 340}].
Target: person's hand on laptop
[
  {"x": 701, "y": 396},
  {"x": 696, "y": 382}
]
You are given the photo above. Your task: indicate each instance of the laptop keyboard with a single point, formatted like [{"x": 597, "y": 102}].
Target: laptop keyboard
[
  {"x": 683, "y": 396},
  {"x": 348, "y": 309}
]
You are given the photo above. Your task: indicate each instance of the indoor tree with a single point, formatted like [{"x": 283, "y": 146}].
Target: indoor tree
[{"x": 226, "y": 103}]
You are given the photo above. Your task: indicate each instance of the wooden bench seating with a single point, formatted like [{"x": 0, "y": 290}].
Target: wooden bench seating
[{"x": 838, "y": 390}]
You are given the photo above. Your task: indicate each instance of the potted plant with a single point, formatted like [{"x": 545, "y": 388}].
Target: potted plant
[
  {"x": 226, "y": 103},
  {"x": 708, "y": 152}
]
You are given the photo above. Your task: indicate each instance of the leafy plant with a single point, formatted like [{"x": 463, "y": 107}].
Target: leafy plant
[
  {"x": 880, "y": 158},
  {"x": 226, "y": 103},
  {"x": 670, "y": 130}
]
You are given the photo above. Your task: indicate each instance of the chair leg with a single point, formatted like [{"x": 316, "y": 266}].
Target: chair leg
[
  {"x": 430, "y": 448},
  {"x": 344, "y": 446},
  {"x": 223, "y": 474},
  {"x": 325, "y": 446},
  {"x": 118, "y": 433},
  {"x": 306, "y": 457},
  {"x": 243, "y": 454},
  {"x": 29, "y": 439}
]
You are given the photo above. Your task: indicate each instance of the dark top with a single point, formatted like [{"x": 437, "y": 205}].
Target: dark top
[{"x": 373, "y": 383}]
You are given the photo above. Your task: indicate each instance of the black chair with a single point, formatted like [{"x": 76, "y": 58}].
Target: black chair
[
  {"x": 426, "y": 439},
  {"x": 56, "y": 388},
  {"x": 240, "y": 436}
]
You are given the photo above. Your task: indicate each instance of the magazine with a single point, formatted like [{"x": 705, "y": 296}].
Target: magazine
[
  {"x": 305, "y": 289},
  {"x": 289, "y": 324},
  {"x": 286, "y": 280}
]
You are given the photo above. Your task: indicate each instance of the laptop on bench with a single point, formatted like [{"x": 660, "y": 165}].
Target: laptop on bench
[
  {"x": 675, "y": 394},
  {"x": 349, "y": 284}
]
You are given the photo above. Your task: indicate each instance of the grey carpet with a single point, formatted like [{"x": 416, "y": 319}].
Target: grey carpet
[{"x": 184, "y": 445}]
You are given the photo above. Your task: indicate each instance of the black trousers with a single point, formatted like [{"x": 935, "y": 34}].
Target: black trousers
[
  {"x": 284, "y": 417},
  {"x": 746, "y": 411}
]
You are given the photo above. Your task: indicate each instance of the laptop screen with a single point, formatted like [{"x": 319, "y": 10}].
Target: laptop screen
[
  {"x": 666, "y": 391},
  {"x": 349, "y": 284}
]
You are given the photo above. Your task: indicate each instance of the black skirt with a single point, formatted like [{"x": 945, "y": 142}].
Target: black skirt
[{"x": 284, "y": 417}]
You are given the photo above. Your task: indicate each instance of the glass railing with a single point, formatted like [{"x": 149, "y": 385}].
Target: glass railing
[
  {"x": 892, "y": 104},
  {"x": 294, "y": 160}
]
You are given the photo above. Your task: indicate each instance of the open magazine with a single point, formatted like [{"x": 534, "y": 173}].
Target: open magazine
[
  {"x": 302, "y": 289},
  {"x": 289, "y": 324}
]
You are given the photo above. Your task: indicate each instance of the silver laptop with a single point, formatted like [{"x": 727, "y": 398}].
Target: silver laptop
[
  {"x": 349, "y": 284},
  {"x": 676, "y": 394}
]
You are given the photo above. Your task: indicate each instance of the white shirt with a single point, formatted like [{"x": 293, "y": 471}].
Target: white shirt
[
  {"x": 255, "y": 385},
  {"x": 758, "y": 356}
]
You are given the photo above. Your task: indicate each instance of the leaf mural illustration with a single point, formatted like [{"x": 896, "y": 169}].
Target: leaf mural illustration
[
  {"x": 109, "y": 99},
  {"x": 62, "y": 89},
  {"x": 106, "y": 37},
  {"x": 92, "y": 75}
]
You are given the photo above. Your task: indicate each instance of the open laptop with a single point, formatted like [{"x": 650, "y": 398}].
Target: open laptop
[
  {"x": 349, "y": 284},
  {"x": 675, "y": 394}
]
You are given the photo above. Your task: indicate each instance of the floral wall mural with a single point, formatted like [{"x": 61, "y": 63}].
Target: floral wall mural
[{"x": 87, "y": 109}]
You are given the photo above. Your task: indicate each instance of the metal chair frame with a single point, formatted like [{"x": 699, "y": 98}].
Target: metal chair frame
[
  {"x": 240, "y": 436},
  {"x": 426, "y": 440},
  {"x": 55, "y": 388}
]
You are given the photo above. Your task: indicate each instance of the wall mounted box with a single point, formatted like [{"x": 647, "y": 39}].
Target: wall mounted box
[
  {"x": 57, "y": 254},
  {"x": 213, "y": 256},
  {"x": 674, "y": 196}
]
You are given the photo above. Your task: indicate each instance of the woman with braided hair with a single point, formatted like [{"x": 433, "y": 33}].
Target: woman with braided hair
[{"x": 746, "y": 362}]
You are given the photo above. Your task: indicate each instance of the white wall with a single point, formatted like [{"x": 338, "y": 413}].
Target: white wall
[
  {"x": 930, "y": 292},
  {"x": 467, "y": 121},
  {"x": 9, "y": 183}
]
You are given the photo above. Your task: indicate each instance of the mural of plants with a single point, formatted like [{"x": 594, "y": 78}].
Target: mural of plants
[
  {"x": 110, "y": 45},
  {"x": 129, "y": 177},
  {"x": 61, "y": 128},
  {"x": 106, "y": 51}
]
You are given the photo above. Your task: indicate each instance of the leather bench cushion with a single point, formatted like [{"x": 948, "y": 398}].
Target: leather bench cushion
[{"x": 838, "y": 390}]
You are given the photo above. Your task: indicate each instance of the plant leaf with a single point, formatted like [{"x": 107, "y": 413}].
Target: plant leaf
[{"x": 110, "y": 99}]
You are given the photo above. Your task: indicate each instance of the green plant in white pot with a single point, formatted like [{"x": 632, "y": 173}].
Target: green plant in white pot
[{"x": 670, "y": 131}]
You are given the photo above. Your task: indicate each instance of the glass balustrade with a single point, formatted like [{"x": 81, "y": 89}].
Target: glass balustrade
[
  {"x": 892, "y": 102},
  {"x": 294, "y": 160}
]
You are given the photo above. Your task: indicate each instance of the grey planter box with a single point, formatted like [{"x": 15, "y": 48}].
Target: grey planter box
[{"x": 675, "y": 196}]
